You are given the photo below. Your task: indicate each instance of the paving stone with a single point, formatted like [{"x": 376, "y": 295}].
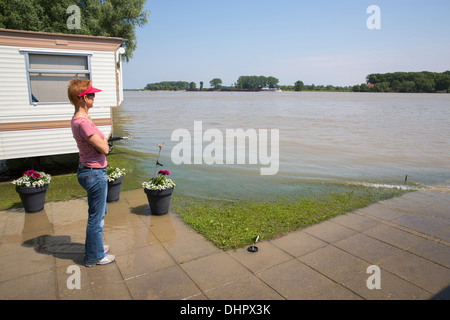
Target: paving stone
[
  {"x": 380, "y": 211},
  {"x": 143, "y": 260},
  {"x": 167, "y": 284},
  {"x": 338, "y": 292},
  {"x": 367, "y": 248},
  {"x": 192, "y": 247},
  {"x": 89, "y": 279},
  {"x": 294, "y": 280},
  {"x": 394, "y": 236},
  {"x": 431, "y": 250},
  {"x": 36, "y": 286},
  {"x": 109, "y": 291},
  {"x": 298, "y": 243},
  {"x": 423, "y": 224},
  {"x": 267, "y": 256},
  {"x": 334, "y": 263},
  {"x": 251, "y": 288},
  {"x": 391, "y": 288},
  {"x": 355, "y": 221},
  {"x": 423, "y": 273},
  {"x": 329, "y": 231},
  {"x": 215, "y": 270}
]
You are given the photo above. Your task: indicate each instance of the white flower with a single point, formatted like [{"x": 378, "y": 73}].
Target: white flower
[
  {"x": 114, "y": 174},
  {"x": 27, "y": 180},
  {"x": 168, "y": 183}
]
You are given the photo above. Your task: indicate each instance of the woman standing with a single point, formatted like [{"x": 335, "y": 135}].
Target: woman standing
[{"x": 93, "y": 148}]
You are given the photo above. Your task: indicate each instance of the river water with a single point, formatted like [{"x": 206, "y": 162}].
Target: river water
[{"x": 356, "y": 138}]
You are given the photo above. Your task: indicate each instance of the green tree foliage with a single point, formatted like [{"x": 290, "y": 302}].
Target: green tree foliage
[
  {"x": 298, "y": 86},
  {"x": 356, "y": 88},
  {"x": 408, "y": 86},
  {"x": 108, "y": 18},
  {"x": 381, "y": 87},
  {"x": 425, "y": 81},
  {"x": 168, "y": 86},
  {"x": 272, "y": 82},
  {"x": 256, "y": 82},
  {"x": 216, "y": 83}
]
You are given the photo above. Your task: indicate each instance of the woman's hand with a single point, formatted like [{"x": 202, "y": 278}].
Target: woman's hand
[{"x": 99, "y": 143}]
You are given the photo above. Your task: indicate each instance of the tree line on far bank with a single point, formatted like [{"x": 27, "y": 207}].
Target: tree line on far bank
[
  {"x": 416, "y": 82},
  {"x": 243, "y": 83},
  {"x": 425, "y": 81}
]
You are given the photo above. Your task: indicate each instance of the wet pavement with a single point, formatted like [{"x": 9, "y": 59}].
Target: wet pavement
[{"x": 407, "y": 239}]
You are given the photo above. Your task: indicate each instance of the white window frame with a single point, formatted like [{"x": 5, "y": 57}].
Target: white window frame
[{"x": 56, "y": 53}]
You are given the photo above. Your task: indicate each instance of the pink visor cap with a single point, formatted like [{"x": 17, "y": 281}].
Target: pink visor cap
[{"x": 91, "y": 89}]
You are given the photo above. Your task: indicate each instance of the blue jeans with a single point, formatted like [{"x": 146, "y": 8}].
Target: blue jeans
[{"x": 94, "y": 181}]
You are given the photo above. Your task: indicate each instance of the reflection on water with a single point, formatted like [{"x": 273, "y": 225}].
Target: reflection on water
[
  {"x": 159, "y": 226},
  {"x": 341, "y": 137},
  {"x": 38, "y": 233},
  {"x": 35, "y": 225}
]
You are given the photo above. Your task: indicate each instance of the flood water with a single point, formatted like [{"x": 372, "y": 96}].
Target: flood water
[{"x": 369, "y": 138}]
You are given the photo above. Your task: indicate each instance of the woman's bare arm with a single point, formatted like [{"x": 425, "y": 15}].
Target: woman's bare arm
[{"x": 100, "y": 144}]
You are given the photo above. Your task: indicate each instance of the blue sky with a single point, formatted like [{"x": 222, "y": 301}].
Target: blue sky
[{"x": 318, "y": 42}]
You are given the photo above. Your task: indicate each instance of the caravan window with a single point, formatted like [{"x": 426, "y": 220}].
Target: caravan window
[{"x": 48, "y": 75}]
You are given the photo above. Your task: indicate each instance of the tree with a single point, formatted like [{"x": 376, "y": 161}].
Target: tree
[
  {"x": 381, "y": 87},
  {"x": 372, "y": 78},
  {"x": 364, "y": 88},
  {"x": 168, "y": 85},
  {"x": 298, "y": 86},
  {"x": 442, "y": 81},
  {"x": 423, "y": 81},
  {"x": 201, "y": 85},
  {"x": 216, "y": 83},
  {"x": 256, "y": 82},
  {"x": 192, "y": 86},
  {"x": 108, "y": 18},
  {"x": 425, "y": 85},
  {"x": 407, "y": 86},
  {"x": 272, "y": 82},
  {"x": 395, "y": 86}
]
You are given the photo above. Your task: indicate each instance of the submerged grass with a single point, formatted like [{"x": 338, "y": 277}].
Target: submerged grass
[{"x": 233, "y": 224}]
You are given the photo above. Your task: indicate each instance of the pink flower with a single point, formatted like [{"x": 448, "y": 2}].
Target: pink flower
[
  {"x": 164, "y": 172},
  {"x": 32, "y": 173}
]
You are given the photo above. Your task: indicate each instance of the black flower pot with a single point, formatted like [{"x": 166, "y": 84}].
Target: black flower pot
[
  {"x": 33, "y": 198},
  {"x": 114, "y": 190},
  {"x": 159, "y": 200}
]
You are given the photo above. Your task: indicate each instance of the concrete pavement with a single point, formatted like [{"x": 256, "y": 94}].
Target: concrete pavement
[{"x": 159, "y": 257}]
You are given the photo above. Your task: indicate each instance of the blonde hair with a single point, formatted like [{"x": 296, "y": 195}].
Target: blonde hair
[{"x": 75, "y": 87}]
